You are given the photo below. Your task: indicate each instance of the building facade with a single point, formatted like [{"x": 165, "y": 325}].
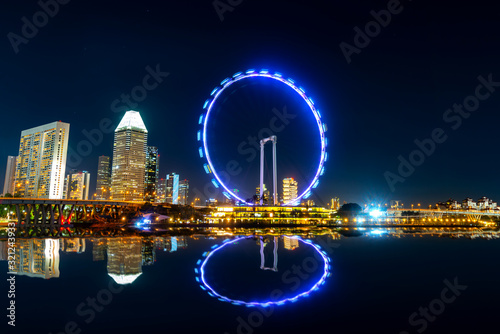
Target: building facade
[
  {"x": 41, "y": 163},
  {"x": 172, "y": 188},
  {"x": 161, "y": 191},
  {"x": 151, "y": 173},
  {"x": 289, "y": 190},
  {"x": 10, "y": 175},
  {"x": 103, "y": 185},
  {"x": 129, "y": 158},
  {"x": 77, "y": 185},
  {"x": 183, "y": 192}
]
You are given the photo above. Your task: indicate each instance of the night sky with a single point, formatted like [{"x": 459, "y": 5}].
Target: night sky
[{"x": 395, "y": 89}]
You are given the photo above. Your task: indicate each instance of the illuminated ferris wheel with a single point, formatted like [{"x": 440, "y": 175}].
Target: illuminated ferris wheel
[{"x": 208, "y": 116}]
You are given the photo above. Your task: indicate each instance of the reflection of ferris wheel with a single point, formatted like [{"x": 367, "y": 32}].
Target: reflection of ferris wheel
[{"x": 206, "y": 116}]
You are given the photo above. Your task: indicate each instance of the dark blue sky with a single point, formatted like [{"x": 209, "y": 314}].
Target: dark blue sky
[{"x": 394, "y": 90}]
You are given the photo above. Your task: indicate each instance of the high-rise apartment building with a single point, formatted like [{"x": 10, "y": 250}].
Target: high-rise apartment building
[
  {"x": 172, "y": 188},
  {"x": 41, "y": 163},
  {"x": 129, "y": 158},
  {"x": 77, "y": 185},
  {"x": 103, "y": 184},
  {"x": 183, "y": 192},
  {"x": 289, "y": 190},
  {"x": 37, "y": 258},
  {"x": 151, "y": 173},
  {"x": 10, "y": 175}
]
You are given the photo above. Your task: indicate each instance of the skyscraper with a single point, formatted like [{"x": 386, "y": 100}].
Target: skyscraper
[
  {"x": 41, "y": 163},
  {"x": 151, "y": 173},
  {"x": 77, "y": 185},
  {"x": 129, "y": 158},
  {"x": 161, "y": 191},
  {"x": 103, "y": 184},
  {"x": 183, "y": 192},
  {"x": 289, "y": 190},
  {"x": 10, "y": 175},
  {"x": 173, "y": 188}
]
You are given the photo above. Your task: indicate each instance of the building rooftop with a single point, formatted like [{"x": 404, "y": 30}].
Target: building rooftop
[{"x": 132, "y": 121}]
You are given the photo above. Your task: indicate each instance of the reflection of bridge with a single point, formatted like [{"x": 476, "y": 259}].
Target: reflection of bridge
[
  {"x": 54, "y": 214},
  {"x": 436, "y": 213}
]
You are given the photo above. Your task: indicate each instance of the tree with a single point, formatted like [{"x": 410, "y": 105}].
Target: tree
[
  {"x": 8, "y": 195},
  {"x": 349, "y": 210}
]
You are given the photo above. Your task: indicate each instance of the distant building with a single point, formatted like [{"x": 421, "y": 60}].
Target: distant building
[
  {"x": 37, "y": 258},
  {"x": 289, "y": 190},
  {"x": 290, "y": 242},
  {"x": 485, "y": 203},
  {"x": 41, "y": 163},
  {"x": 469, "y": 204},
  {"x": 10, "y": 175},
  {"x": 335, "y": 203},
  {"x": 172, "y": 188},
  {"x": 124, "y": 259},
  {"x": 266, "y": 192},
  {"x": 103, "y": 191},
  {"x": 183, "y": 192},
  {"x": 77, "y": 185},
  {"x": 151, "y": 173},
  {"x": 161, "y": 191},
  {"x": 129, "y": 158}
]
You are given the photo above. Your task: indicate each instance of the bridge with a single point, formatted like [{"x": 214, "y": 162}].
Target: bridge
[{"x": 50, "y": 216}]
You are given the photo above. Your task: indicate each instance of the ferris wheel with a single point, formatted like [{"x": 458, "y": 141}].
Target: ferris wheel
[{"x": 208, "y": 116}]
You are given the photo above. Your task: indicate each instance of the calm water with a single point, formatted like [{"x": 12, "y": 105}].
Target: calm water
[{"x": 378, "y": 280}]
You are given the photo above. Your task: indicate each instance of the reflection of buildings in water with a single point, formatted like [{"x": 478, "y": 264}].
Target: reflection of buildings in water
[
  {"x": 99, "y": 248},
  {"x": 3, "y": 251},
  {"x": 73, "y": 245},
  {"x": 148, "y": 252},
  {"x": 264, "y": 241},
  {"x": 170, "y": 244},
  {"x": 37, "y": 258},
  {"x": 291, "y": 242},
  {"x": 124, "y": 259}
]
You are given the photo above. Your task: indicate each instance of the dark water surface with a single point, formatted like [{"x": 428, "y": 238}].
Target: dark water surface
[{"x": 377, "y": 283}]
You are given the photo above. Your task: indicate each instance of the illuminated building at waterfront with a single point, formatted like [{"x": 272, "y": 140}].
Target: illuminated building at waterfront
[
  {"x": 73, "y": 245},
  {"x": 103, "y": 178},
  {"x": 151, "y": 173},
  {"x": 129, "y": 158},
  {"x": 270, "y": 214},
  {"x": 41, "y": 163},
  {"x": 10, "y": 175}
]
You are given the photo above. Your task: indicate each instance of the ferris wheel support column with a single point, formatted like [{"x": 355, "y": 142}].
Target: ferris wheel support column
[
  {"x": 275, "y": 185},
  {"x": 261, "y": 189}
]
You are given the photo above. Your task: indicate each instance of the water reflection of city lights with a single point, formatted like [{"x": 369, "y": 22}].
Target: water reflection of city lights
[{"x": 200, "y": 278}]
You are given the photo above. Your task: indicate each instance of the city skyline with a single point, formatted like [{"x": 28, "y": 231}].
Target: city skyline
[{"x": 355, "y": 109}]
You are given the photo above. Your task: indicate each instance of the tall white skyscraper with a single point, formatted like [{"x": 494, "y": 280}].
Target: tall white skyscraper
[
  {"x": 10, "y": 175},
  {"x": 41, "y": 163},
  {"x": 129, "y": 158}
]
